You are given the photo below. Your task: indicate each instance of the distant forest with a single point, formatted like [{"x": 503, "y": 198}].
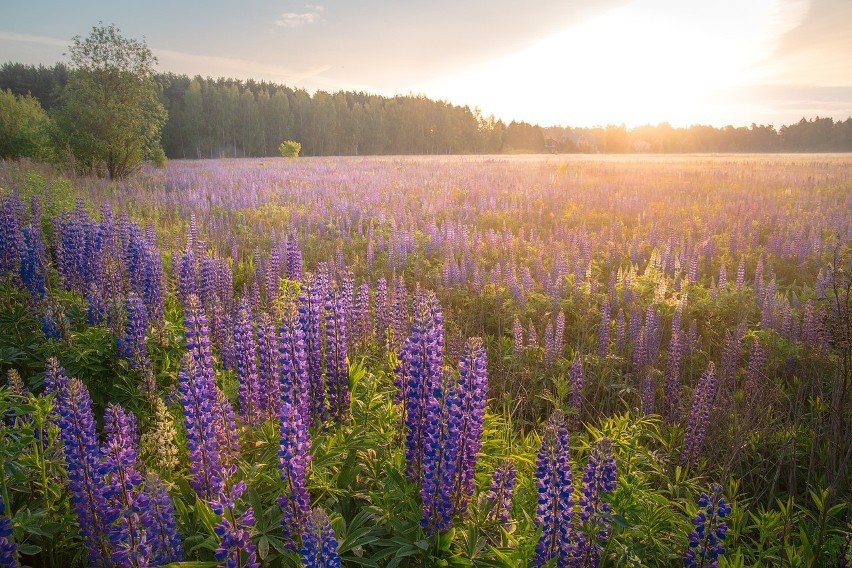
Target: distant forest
[{"x": 229, "y": 118}]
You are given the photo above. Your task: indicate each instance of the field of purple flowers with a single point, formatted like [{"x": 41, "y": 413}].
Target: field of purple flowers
[{"x": 457, "y": 361}]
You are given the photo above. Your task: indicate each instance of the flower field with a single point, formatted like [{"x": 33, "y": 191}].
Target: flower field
[{"x": 443, "y": 361}]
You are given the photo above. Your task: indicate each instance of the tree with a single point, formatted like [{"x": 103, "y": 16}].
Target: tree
[
  {"x": 290, "y": 149},
  {"x": 110, "y": 116},
  {"x": 24, "y": 128}
]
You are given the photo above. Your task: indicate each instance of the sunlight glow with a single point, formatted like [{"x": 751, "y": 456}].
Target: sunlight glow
[{"x": 635, "y": 64}]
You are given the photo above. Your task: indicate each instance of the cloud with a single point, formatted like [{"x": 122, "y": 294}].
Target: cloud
[
  {"x": 24, "y": 38},
  {"x": 297, "y": 19}
]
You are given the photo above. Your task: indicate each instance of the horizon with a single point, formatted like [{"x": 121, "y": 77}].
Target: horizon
[{"x": 585, "y": 65}]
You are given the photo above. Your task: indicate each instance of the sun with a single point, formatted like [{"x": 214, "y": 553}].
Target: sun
[{"x": 634, "y": 65}]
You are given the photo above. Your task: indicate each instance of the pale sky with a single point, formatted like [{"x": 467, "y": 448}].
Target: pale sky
[{"x": 551, "y": 62}]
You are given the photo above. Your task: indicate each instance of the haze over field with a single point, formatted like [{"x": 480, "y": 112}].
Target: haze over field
[{"x": 548, "y": 62}]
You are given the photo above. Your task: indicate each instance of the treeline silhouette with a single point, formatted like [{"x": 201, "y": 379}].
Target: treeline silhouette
[{"x": 211, "y": 118}]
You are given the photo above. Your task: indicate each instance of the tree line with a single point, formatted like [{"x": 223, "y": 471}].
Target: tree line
[{"x": 212, "y": 118}]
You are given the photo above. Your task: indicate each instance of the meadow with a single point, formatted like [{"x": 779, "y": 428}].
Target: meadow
[{"x": 494, "y": 361}]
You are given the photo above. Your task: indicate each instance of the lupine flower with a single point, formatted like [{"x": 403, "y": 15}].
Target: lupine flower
[
  {"x": 441, "y": 448},
  {"x": 235, "y": 546},
  {"x": 131, "y": 345},
  {"x": 7, "y": 545},
  {"x": 554, "y": 512},
  {"x": 472, "y": 392},
  {"x": 672, "y": 386},
  {"x": 501, "y": 491},
  {"x": 187, "y": 279},
  {"x": 599, "y": 479},
  {"x": 532, "y": 336},
  {"x": 575, "y": 399},
  {"x": 423, "y": 357},
  {"x": 518, "y": 336},
  {"x": 269, "y": 393},
  {"x": 245, "y": 353},
  {"x": 163, "y": 535},
  {"x": 319, "y": 545},
  {"x": 400, "y": 313},
  {"x": 128, "y": 512},
  {"x": 706, "y": 540},
  {"x": 696, "y": 430},
  {"x": 293, "y": 366},
  {"x": 198, "y": 396},
  {"x": 11, "y": 240},
  {"x": 158, "y": 443},
  {"x": 32, "y": 262},
  {"x": 294, "y": 456},
  {"x": 95, "y": 308},
  {"x": 310, "y": 313},
  {"x": 82, "y": 459},
  {"x": 382, "y": 321}
]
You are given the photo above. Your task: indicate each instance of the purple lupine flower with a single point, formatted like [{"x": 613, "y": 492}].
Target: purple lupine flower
[
  {"x": 811, "y": 325},
  {"x": 226, "y": 429},
  {"x": 696, "y": 429},
  {"x": 131, "y": 345},
  {"x": 310, "y": 318},
  {"x": 400, "y": 323},
  {"x": 575, "y": 399},
  {"x": 269, "y": 393},
  {"x": 162, "y": 532},
  {"x": 11, "y": 239},
  {"x": 559, "y": 333},
  {"x": 152, "y": 282},
  {"x": 32, "y": 262},
  {"x": 198, "y": 398},
  {"x": 319, "y": 545},
  {"x": 294, "y": 456},
  {"x": 518, "y": 336},
  {"x": 555, "y": 509},
  {"x": 423, "y": 356},
  {"x": 82, "y": 459},
  {"x": 441, "y": 448},
  {"x": 707, "y": 539},
  {"x": 472, "y": 392},
  {"x": 603, "y": 329},
  {"x": 382, "y": 320},
  {"x": 599, "y": 480},
  {"x": 501, "y": 491},
  {"x": 362, "y": 333},
  {"x": 235, "y": 545},
  {"x": 294, "y": 259},
  {"x": 293, "y": 366},
  {"x": 8, "y": 549},
  {"x": 95, "y": 308},
  {"x": 222, "y": 335},
  {"x": 187, "y": 279},
  {"x": 532, "y": 336},
  {"x": 245, "y": 353},
  {"x": 336, "y": 365},
  {"x": 741, "y": 274},
  {"x": 128, "y": 512},
  {"x": 672, "y": 386}
]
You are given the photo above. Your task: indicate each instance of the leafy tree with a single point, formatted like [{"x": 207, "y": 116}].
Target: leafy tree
[
  {"x": 24, "y": 128},
  {"x": 111, "y": 116},
  {"x": 290, "y": 149}
]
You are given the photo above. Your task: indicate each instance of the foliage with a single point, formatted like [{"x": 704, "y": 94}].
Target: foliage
[
  {"x": 290, "y": 149},
  {"x": 110, "y": 117},
  {"x": 25, "y": 128}
]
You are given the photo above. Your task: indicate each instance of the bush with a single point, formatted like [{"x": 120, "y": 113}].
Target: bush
[{"x": 290, "y": 149}]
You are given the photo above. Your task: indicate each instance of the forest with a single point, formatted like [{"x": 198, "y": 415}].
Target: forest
[{"x": 215, "y": 118}]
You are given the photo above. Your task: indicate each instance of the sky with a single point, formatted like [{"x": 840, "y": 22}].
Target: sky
[{"x": 548, "y": 62}]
